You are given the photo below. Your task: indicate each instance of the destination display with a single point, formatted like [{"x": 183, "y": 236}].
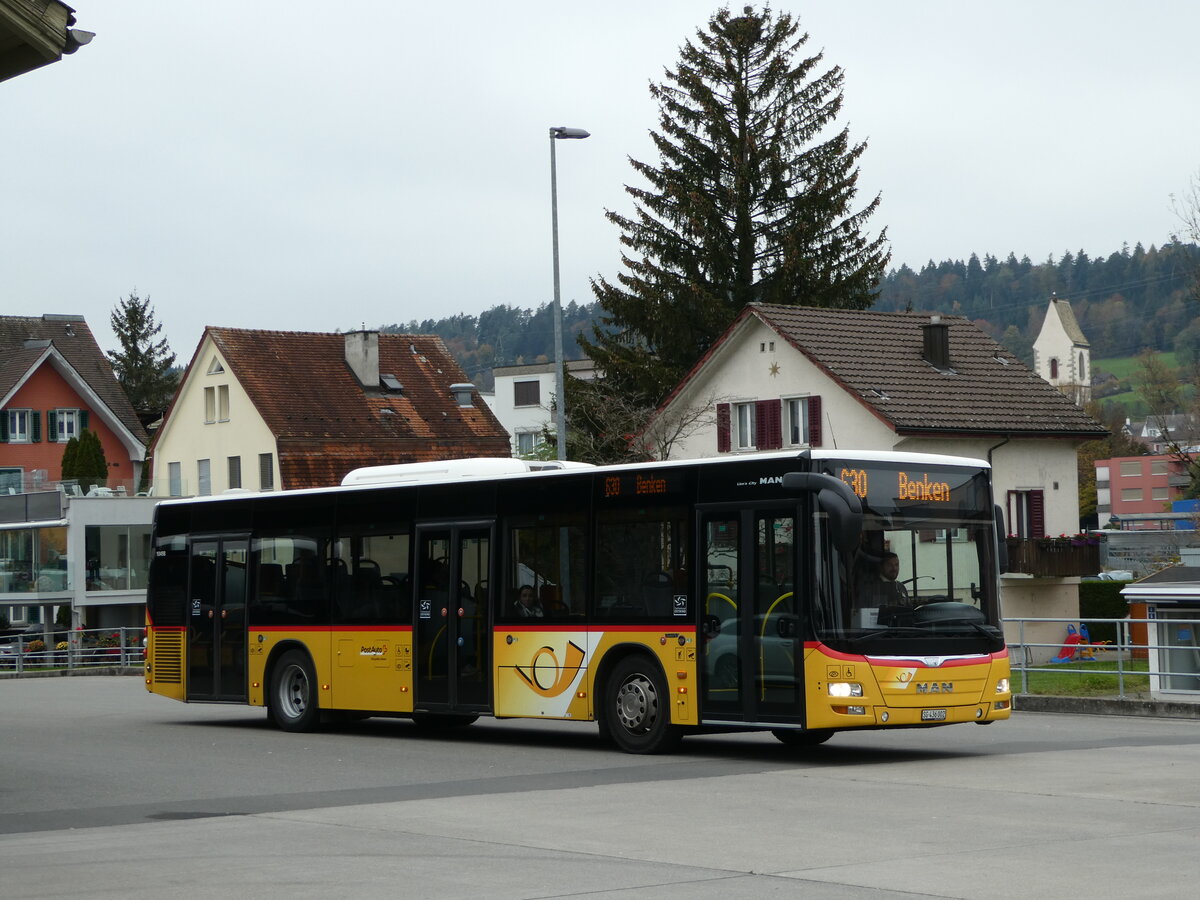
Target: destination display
[
  {"x": 898, "y": 486},
  {"x": 640, "y": 485}
]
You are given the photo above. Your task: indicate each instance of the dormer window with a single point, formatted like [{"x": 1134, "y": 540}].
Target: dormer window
[{"x": 391, "y": 383}]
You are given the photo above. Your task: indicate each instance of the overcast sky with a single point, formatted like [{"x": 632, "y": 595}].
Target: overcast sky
[{"x": 321, "y": 166}]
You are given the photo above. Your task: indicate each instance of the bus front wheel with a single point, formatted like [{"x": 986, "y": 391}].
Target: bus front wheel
[
  {"x": 294, "y": 704},
  {"x": 637, "y": 712}
]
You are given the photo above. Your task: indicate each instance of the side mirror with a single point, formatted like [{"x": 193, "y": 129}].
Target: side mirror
[{"x": 837, "y": 500}]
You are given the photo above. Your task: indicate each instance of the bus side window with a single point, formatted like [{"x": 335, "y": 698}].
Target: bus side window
[{"x": 641, "y": 563}]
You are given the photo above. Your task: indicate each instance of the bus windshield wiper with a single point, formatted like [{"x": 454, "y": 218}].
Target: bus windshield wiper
[{"x": 893, "y": 631}]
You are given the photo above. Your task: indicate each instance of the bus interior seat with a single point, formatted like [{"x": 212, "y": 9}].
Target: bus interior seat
[
  {"x": 270, "y": 580},
  {"x": 658, "y": 591}
]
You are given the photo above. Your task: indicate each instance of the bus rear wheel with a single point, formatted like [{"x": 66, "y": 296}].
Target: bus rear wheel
[
  {"x": 811, "y": 738},
  {"x": 293, "y": 698},
  {"x": 637, "y": 712}
]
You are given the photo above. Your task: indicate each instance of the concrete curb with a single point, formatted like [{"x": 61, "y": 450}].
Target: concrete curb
[{"x": 1106, "y": 706}]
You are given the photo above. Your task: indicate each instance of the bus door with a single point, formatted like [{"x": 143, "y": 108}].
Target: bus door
[
  {"x": 752, "y": 641},
  {"x": 453, "y": 569},
  {"x": 217, "y": 619}
]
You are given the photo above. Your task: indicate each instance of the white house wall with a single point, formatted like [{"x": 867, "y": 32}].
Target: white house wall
[
  {"x": 1021, "y": 465},
  {"x": 186, "y": 437},
  {"x": 516, "y": 419},
  {"x": 741, "y": 371}
]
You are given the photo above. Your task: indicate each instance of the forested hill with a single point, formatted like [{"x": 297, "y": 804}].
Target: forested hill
[
  {"x": 504, "y": 336},
  {"x": 1125, "y": 302}
]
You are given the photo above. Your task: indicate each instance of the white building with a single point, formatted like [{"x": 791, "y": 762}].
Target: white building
[{"x": 523, "y": 400}]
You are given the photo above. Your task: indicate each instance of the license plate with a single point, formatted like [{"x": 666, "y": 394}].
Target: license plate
[{"x": 933, "y": 715}]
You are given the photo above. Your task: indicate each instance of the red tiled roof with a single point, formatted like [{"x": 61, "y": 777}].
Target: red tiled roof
[
  {"x": 326, "y": 423},
  {"x": 73, "y": 340}
]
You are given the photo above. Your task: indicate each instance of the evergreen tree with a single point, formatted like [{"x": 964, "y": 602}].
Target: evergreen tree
[
  {"x": 143, "y": 365},
  {"x": 83, "y": 461},
  {"x": 750, "y": 201}
]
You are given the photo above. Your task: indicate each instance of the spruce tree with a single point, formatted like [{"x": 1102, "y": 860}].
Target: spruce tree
[
  {"x": 83, "y": 461},
  {"x": 750, "y": 200},
  {"x": 143, "y": 365}
]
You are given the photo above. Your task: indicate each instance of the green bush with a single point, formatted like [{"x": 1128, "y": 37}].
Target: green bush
[{"x": 1102, "y": 600}]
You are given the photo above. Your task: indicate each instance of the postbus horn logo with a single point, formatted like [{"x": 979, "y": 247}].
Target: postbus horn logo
[{"x": 541, "y": 669}]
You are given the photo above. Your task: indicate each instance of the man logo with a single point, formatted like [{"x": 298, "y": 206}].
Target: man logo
[{"x": 935, "y": 687}]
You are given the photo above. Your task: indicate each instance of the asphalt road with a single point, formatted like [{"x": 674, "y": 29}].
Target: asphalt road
[{"x": 106, "y": 791}]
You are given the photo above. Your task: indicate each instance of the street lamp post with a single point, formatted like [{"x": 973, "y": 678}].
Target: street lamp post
[{"x": 560, "y": 399}]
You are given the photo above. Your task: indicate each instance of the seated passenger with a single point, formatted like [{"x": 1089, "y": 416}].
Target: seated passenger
[{"x": 527, "y": 605}]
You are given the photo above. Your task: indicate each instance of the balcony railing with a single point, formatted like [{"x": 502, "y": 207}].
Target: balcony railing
[{"x": 1053, "y": 557}]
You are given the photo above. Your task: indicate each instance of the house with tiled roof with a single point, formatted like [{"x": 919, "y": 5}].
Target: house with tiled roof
[
  {"x": 791, "y": 377},
  {"x": 281, "y": 410},
  {"x": 55, "y": 382},
  {"x": 1062, "y": 354}
]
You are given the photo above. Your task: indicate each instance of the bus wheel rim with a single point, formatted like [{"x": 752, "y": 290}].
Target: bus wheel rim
[
  {"x": 294, "y": 694},
  {"x": 637, "y": 704}
]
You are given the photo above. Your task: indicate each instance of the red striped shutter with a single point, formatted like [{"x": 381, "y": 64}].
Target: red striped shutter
[
  {"x": 722, "y": 427},
  {"x": 814, "y": 421},
  {"x": 1037, "y": 514},
  {"x": 768, "y": 424}
]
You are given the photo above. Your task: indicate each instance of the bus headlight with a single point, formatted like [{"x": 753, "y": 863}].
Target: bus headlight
[
  {"x": 1002, "y": 686},
  {"x": 845, "y": 689}
]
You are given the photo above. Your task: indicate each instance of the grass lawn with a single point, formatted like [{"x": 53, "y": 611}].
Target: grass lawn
[
  {"x": 1124, "y": 366},
  {"x": 1098, "y": 679}
]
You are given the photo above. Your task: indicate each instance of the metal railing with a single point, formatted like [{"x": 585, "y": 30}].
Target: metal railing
[
  {"x": 81, "y": 649},
  {"x": 1136, "y": 639}
]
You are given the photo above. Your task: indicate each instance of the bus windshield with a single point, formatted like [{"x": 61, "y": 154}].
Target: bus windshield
[{"x": 921, "y": 580}]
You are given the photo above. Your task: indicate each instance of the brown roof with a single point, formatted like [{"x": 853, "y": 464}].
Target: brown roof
[
  {"x": 326, "y": 423},
  {"x": 878, "y": 358},
  {"x": 73, "y": 340}
]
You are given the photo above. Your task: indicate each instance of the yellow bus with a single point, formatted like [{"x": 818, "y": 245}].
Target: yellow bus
[{"x": 797, "y": 593}]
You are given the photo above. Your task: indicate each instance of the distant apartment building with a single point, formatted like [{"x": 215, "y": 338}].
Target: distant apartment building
[
  {"x": 523, "y": 400},
  {"x": 1136, "y": 492}
]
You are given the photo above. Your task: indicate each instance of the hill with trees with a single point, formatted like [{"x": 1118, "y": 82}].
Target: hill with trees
[{"x": 1126, "y": 302}]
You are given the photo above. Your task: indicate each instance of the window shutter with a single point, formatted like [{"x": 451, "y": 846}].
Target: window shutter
[
  {"x": 4, "y": 427},
  {"x": 768, "y": 425},
  {"x": 83, "y": 420},
  {"x": 1037, "y": 514},
  {"x": 35, "y": 426},
  {"x": 814, "y": 421},
  {"x": 722, "y": 427},
  {"x": 51, "y": 426}
]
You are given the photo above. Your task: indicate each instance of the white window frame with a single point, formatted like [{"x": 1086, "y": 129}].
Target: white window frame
[
  {"x": 797, "y": 433},
  {"x": 19, "y": 435},
  {"x": 63, "y": 417},
  {"x": 529, "y": 436},
  {"x": 741, "y": 426},
  {"x": 222, "y": 403},
  {"x": 204, "y": 477},
  {"x": 210, "y": 405},
  {"x": 175, "y": 479}
]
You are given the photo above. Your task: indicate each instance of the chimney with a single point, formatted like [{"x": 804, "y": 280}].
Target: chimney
[
  {"x": 936, "y": 349},
  {"x": 362, "y": 356}
]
